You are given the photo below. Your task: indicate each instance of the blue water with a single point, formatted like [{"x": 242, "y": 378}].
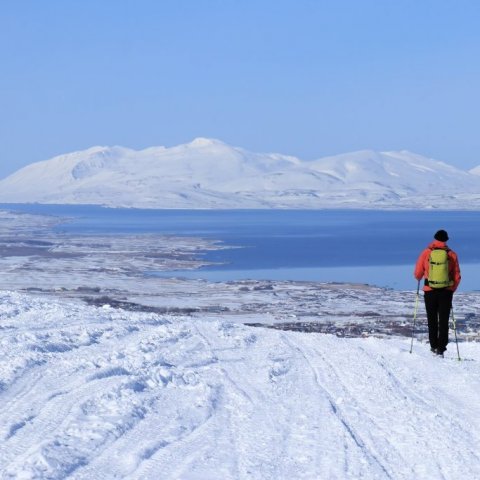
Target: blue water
[{"x": 375, "y": 247}]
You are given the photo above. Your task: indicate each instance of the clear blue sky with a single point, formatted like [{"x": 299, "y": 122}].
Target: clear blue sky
[{"x": 302, "y": 77}]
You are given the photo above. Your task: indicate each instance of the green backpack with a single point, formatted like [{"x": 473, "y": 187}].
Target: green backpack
[{"x": 438, "y": 276}]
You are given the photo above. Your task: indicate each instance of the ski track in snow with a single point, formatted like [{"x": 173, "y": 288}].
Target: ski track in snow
[{"x": 99, "y": 393}]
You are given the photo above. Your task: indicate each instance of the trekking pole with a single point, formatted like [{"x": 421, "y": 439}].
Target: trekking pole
[
  {"x": 415, "y": 314},
  {"x": 455, "y": 330}
]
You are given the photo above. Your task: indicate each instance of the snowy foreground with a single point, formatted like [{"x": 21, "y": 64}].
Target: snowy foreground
[{"x": 94, "y": 392}]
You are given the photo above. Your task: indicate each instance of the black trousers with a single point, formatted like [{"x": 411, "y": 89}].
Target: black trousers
[{"x": 438, "y": 304}]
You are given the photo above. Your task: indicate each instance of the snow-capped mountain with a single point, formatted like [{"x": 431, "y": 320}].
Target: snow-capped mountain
[{"x": 208, "y": 173}]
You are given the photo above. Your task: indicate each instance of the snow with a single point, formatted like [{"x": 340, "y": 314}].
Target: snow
[
  {"x": 106, "y": 373},
  {"x": 475, "y": 171},
  {"x": 96, "y": 392},
  {"x": 208, "y": 173}
]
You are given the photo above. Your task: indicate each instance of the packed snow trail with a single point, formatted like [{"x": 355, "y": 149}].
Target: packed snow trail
[{"x": 99, "y": 393}]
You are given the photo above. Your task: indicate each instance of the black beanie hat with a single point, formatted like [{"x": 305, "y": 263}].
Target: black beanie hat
[{"x": 441, "y": 236}]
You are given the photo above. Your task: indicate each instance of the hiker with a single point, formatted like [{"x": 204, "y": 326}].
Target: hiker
[{"x": 438, "y": 266}]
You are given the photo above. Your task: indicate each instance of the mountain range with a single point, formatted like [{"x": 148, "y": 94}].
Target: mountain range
[{"x": 208, "y": 173}]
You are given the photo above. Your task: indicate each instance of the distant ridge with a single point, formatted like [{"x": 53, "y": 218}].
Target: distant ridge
[{"x": 207, "y": 173}]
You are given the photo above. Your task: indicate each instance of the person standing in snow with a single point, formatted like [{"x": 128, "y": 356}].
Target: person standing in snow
[{"x": 438, "y": 266}]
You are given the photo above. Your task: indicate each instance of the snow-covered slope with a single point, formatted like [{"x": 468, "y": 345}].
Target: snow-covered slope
[
  {"x": 405, "y": 172},
  {"x": 475, "y": 171},
  {"x": 98, "y": 393},
  {"x": 208, "y": 173}
]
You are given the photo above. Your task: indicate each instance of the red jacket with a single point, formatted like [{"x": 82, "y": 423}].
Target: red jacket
[{"x": 422, "y": 266}]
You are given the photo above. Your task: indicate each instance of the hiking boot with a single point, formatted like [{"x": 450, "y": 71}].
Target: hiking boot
[{"x": 439, "y": 352}]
